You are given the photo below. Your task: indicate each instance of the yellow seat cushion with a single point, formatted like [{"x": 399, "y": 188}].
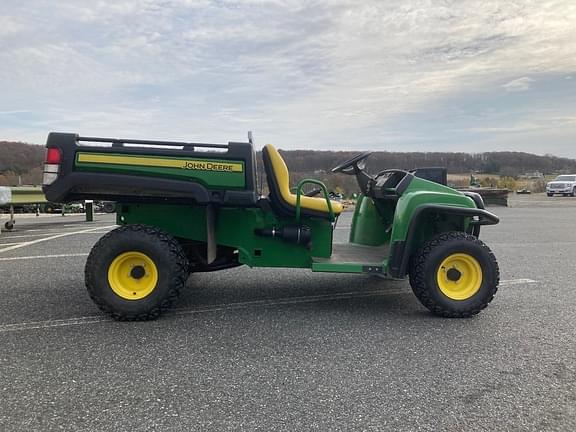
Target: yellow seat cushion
[{"x": 283, "y": 180}]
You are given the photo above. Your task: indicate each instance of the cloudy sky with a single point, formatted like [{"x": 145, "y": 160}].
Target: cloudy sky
[{"x": 412, "y": 75}]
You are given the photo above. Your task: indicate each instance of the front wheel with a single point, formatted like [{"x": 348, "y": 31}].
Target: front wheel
[
  {"x": 454, "y": 275},
  {"x": 136, "y": 272}
]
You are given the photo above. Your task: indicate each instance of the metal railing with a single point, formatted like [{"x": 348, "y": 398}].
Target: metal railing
[{"x": 301, "y": 183}]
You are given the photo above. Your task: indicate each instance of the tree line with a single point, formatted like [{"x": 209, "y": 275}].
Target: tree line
[
  {"x": 501, "y": 163},
  {"x": 20, "y": 162}
]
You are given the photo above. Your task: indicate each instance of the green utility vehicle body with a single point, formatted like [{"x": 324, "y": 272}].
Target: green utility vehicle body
[{"x": 205, "y": 197}]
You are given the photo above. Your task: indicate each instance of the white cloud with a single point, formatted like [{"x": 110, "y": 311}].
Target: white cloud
[
  {"x": 325, "y": 74},
  {"x": 14, "y": 112},
  {"x": 10, "y": 25},
  {"x": 518, "y": 85}
]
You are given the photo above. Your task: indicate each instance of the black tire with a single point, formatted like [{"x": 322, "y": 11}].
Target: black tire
[
  {"x": 109, "y": 207},
  {"x": 425, "y": 268},
  {"x": 9, "y": 225},
  {"x": 550, "y": 194},
  {"x": 169, "y": 261},
  {"x": 574, "y": 192}
]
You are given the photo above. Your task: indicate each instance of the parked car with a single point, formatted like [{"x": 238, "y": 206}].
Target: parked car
[
  {"x": 563, "y": 185},
  {"x": 105, "y": 206},
  {"x": 51, "y": 207}
]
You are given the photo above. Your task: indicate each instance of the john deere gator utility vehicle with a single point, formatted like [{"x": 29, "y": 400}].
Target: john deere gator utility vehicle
[{"x": 193, "y": 207}]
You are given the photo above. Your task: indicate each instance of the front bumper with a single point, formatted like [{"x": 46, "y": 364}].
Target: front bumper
[{"x": 559, "y": 191}]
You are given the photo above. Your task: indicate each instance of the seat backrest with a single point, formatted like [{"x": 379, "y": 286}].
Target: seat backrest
[
  {"x": 279, "y": 174},
  {"x": 278, "y": 179},
  {"x": 282, "y": 200}
]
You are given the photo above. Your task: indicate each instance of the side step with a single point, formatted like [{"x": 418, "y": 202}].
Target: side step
[{"x": 353, "y": 258}]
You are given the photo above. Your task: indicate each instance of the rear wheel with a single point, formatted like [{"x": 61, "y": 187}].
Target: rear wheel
[
  {"x": 454, "y": 275},
  {"x": 136, "y": 272},
  {"x": 109, "y": 207}
]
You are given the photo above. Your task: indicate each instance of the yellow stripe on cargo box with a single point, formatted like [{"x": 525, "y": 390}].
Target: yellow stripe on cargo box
[{"x": 143, "y": 161}]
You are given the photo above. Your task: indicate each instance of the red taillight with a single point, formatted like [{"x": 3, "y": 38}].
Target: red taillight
[
  {"x": 53, "y": 155},
  {"x": 52, "y": 165}
]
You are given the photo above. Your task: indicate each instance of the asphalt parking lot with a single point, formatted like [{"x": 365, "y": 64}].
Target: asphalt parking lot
[{"x": 260, "y": 349}]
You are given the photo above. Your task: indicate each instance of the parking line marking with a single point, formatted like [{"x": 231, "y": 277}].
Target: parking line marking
[
  {"x": 511, "y": 282},
  {"x": 34, "y": 325},
  {"x": 23, "y": 236},
  {"x": 54, "y": 237},
  {"x": 6, "y": 237},
  {"x": 56, "y": 227},
  {"x": 9, "y": 244},
  {"x": 44, "y": 256},
  {"x": 97, "y": 232},
  {"x": 289, "y": 301}
]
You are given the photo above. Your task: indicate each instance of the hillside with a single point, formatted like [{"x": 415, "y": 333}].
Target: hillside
[
  {"x": 317, "y": 164},
  {"x": 502, "y": 163},
  {"x": 25, "y": 160},
  {"x": 20, "y": 159}
]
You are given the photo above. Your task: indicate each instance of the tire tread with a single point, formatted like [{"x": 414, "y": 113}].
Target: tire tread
[
  {"x": 177, "y": 278},
  {"x": 417, "y": 275}
]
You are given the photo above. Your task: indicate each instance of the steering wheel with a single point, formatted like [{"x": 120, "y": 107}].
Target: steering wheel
[{"x": 351, "y": 165}]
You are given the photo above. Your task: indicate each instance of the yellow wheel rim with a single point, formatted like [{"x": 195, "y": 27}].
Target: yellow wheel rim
[
  {"x": 132, "y": 275},
  {"x": 459, "y": 276}
]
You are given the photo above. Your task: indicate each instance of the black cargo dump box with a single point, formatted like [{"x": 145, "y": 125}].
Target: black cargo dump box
[{"x": 143, "y": 171}]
